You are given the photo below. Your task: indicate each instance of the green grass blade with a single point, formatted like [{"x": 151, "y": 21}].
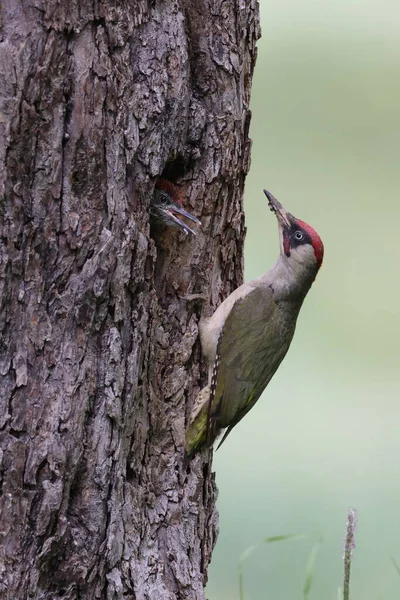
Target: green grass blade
[
  {"x": 244, "y": 556},
  {"x": 249, "y": 551},
  {"x": 308, "y": 580},
  {"x": 282, "y": 538},
  {"x": 395, "y": 564},
  {"x": 241, "y": 585}
]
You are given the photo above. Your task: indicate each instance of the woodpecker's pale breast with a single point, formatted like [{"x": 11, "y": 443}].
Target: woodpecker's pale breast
[{"x": 210, "y": 328}]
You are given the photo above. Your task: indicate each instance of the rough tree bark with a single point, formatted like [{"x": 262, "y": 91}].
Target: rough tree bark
[{"x": 99, "y": 353}]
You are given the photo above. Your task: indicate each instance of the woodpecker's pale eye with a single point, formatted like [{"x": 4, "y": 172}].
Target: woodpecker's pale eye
[{"x": 298, "y": 235}]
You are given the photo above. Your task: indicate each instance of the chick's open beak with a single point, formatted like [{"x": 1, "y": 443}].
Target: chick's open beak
[{"x": 173, "y": 211}]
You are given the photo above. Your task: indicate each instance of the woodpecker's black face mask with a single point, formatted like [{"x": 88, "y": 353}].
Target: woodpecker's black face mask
[{"x": 299, "y": 236}]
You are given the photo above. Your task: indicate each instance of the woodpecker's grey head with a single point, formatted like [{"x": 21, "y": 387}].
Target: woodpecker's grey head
[
  {"x": 300, "y": 244},
  {"x": 166, "y": 207}
]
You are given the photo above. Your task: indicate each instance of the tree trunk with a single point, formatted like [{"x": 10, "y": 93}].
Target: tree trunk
[{"x": 99, "y": 353}]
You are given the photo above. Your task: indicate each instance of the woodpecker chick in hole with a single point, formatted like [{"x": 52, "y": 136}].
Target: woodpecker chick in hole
[
  {"x": 166, "y": 207},
  {"x": 249, "y": 334}
]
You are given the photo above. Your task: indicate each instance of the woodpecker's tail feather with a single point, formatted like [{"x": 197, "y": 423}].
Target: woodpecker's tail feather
[
  {"x": 196, "y": 434},
  {"x": 201, "y": 431}
]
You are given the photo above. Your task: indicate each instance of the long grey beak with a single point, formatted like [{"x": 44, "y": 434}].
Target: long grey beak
[
  {"x": 175, "y": 208},
  {"x": 282, "y": 214}
]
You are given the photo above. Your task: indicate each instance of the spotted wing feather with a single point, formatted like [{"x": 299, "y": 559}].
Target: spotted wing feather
[{"x": 212, "y": 430}]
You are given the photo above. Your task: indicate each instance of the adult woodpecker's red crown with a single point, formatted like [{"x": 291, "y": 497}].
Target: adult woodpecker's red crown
[{"x": 316, "y": 241}]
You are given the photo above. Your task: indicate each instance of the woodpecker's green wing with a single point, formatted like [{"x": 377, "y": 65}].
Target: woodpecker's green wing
[{"x": 254, "y": 339}]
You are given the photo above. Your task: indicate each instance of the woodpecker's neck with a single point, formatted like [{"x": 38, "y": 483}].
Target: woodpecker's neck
[{"x": 290, "y": 279}]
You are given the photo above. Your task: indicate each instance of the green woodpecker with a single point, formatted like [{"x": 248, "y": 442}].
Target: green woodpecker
[
  {"x": 166, "y": 207},
  {"x": 249, "y": 334}
]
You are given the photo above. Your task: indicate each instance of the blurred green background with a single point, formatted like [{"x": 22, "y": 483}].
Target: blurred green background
[{"x": 325, "y": 436}]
